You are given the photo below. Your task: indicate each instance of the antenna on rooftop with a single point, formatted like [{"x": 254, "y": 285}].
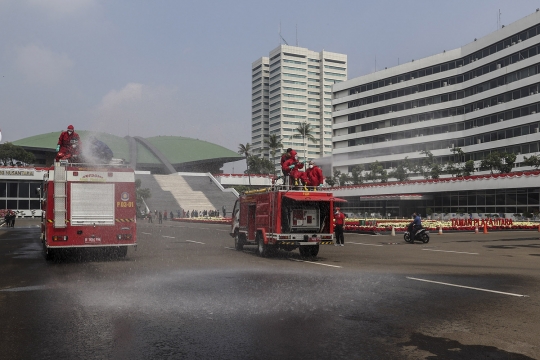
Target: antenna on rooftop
[
  {"x": 280, "y": 34},
  {"x": 296, "y": 34}
]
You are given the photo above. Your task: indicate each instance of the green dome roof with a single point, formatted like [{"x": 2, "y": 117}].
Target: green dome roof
[{"x": 177, "y": 150}]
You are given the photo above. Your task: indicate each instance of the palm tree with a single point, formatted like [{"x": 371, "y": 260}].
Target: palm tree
[
  {"x": 305, "y": 131},
  {"x": 245, "y": 150},
  {"x": 274, "y": 143}
]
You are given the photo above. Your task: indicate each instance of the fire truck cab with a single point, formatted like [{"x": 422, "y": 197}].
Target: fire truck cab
[
  {"x": 88, "y": 206},
  {"x": 283, "y": 219}
]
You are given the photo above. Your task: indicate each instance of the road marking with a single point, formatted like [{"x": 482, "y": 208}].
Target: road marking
[
  {"x": 26, "y": 288},
  {"x": 467, "y": 287},
  {"x": 230, "y": 248},
  {"x": 191, "y": 241},
  {"x": 168, "y": 237},
  {"x": 145, "y": 233},
  {"x": 222, "y": 230},
  {"x": 315, "y": 263},
  {"x": 348, "y": 242},
  {"x": 201, "y": 228},
  {"x": 448, "y": 251},
  {"x": 363, "y": 234}
]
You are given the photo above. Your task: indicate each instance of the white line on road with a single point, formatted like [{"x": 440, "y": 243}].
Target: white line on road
[
  {"x": 145, "y": 233},
  {"x": 191, "y": 241},
  {"x": 201, "y": 228},
  {"x": 348, "y": 242},
  {"x": 467, "y": 287},
  {"x": 230, "y": 248},
  {"x": 168, "y": 237},
  {"x": 455, "y": 252},
  {"x": 315, "y": 263},
  {"x": 26, "y": 288},
  {"x": 222, "y": 230}
]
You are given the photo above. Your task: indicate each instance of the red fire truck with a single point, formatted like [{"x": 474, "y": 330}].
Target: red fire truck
[
  {"x": 88, "y": 206},
  {"x": 284, "y": 219}
]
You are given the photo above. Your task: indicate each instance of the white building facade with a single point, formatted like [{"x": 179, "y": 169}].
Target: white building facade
[
  {"x": 482, "y": 97},
  {"x": 291, "y": 86}
]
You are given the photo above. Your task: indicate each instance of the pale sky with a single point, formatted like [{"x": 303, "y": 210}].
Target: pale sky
[{"x": 183, "y": 68}]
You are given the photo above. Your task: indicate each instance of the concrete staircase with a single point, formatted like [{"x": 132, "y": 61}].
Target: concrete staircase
[
  {"x": 188, "y": 192},
  {"x": 161, "y": 199}
]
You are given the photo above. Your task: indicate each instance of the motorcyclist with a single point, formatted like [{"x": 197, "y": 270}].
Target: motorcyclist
[
  {"x": 415, "y": 225},
  {"x": 68, "y": 145}
]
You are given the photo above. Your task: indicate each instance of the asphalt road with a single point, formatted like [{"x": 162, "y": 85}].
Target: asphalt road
[{"x": 185, "y": 293}]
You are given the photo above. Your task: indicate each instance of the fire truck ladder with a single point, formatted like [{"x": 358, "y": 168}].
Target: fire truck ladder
[{"x": 60, "y": 197}]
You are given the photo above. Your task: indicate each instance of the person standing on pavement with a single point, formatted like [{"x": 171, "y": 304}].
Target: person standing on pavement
[
  {"x": 160, "y": 218},
  {"x": 339, "y": 218}
]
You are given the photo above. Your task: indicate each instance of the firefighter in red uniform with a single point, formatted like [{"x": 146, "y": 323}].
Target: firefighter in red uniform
[
  {"x": 339, "y": 218},
  {"x": 314, "y": 175},
  {"x": 284, "y": 157},
  {"x": 69, "y": 144},
  {"x": 289, "y": 161}
]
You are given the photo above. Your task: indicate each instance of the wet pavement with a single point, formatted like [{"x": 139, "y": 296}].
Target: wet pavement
[{"x": 185, "y": 293}]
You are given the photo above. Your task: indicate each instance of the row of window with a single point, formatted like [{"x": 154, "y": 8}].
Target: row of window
[
  {"x": 489, "y": 50},
  {"x": 19, "y": 190},
  {"x": 448, "y": 81},
  {"x": 459, "y": 110},
  {"x": 465, "y": 125}
]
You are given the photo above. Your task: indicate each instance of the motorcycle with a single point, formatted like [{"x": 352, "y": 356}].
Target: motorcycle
[{"x": 420, "y": 235}]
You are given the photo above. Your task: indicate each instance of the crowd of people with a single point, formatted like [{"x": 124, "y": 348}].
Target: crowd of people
[{"x": 161, "y": 216}]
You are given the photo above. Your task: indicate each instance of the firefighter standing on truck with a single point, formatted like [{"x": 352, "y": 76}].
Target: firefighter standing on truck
[
  {"x": 68, "y": 144},
  {"x": 314, "y": 175}
]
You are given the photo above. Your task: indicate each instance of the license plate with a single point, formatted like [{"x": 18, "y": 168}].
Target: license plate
[
  {"x": 314, "y": 239},
  {"x": 92, "y": 240}
]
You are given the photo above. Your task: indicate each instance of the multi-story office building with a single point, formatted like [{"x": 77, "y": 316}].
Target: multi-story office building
[
  {"x": 482, "y": 97},
  {"x": 291, "y": 86}
]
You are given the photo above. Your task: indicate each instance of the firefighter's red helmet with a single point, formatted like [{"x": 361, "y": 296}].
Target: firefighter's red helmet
[{"x": 70, "y": 127}]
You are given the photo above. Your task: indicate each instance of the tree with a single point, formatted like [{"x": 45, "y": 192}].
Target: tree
[
  {"x": 533, "y": 161},
  {"x": 377, "y": 172},
  {"x": 429, "y": 168},
  {"x": 245, "y": 150},
  {"x": 468, "y": 169},
  {"x": 305, "y": 131},
  {"x": 142, "y": 193},
  {"x": 259, "y": 165},
  {"x": 274, "y": 144},
  {"x": 491, "y": 162},
  {"x": 11, "y": 154},
  {"x": 502, "y": 162},
  {"x": 356, "y": 172},
  {"x": 509, "y": 160},
  {"x": 344, "y": 179},
  {"x": 400, "y": 172},
  {"x": 335, "y": 178}
]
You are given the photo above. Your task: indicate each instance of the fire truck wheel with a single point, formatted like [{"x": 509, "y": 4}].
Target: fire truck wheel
[
  {"x": 238, "y": 242},
  {"x": 309, "y": 251},
  {"x": 48, "y": 253},
  {"x": 262, "y": 249},
  {"x": 122, "y": 251}
]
